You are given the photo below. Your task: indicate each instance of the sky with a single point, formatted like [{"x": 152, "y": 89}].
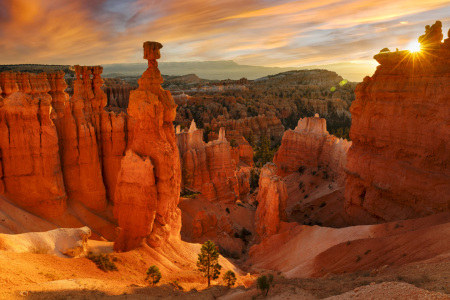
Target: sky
[{"x": 272, "y": 33}]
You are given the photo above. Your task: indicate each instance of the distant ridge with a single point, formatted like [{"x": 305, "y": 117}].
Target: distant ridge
[{"x": 227, "y": 69}]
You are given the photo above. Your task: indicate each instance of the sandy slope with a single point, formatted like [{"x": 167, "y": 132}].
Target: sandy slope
[{"x": 316, "y": 251}]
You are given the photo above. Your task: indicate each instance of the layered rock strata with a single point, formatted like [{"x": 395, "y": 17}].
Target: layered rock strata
[
  {"x": 310, "y": 145},
  {"x": 148, "y": 186},
  {"x": 272, "y": 196},
  {"x": 399, "y": 162}
]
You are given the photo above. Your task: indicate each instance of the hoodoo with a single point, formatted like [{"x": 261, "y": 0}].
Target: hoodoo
[{"x": 148, "y": 184}]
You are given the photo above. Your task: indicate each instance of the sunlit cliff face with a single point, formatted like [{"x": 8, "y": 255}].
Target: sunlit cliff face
[{"x": 256, "y": 32}]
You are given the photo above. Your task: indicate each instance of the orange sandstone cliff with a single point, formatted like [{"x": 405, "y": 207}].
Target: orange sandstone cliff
[
  {"x": 31, "y": 170},
  {"x": 399, "y": 162}
]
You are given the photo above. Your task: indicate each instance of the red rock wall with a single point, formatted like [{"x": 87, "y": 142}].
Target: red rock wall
[
  {"x": 399, "y": 162},
  {"x": 79, "y": 149},
  {"x": 310, "y": 145},
  {"x": 272, "y": 196},
  {"x": 29, "y": 145}
]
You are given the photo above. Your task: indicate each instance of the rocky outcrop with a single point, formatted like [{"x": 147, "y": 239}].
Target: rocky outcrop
[
  {"x": 62, "y": 242},
  {"x": 271, "y": 199},
  {"x": 208, "y": 168},
  {"x": 148, "y": 185},
  {"x": 31, "y": 170},
  {"x": 399, "y": 162},
  {"x": 310, "y": 145}
]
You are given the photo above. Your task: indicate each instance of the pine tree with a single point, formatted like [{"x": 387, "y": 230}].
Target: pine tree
[{"x": 208, "y": 261}]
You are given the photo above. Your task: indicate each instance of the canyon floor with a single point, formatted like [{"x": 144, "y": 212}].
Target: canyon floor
[{"x": 42, "y": 276}]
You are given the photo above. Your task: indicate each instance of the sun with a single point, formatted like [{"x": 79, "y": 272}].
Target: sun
[{"x": 413, "y": 46}]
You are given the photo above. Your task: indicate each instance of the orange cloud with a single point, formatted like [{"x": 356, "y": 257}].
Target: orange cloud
[{"x": 258, "y": 32}]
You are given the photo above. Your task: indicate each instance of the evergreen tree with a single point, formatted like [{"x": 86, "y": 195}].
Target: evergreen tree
[{"x": 208, "y": 261}]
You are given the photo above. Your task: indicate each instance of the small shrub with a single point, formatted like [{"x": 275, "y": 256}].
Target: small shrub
[
  {"x": 367, "y": 252},
  {"x": 227, "y": 210},
  {"x": 358, "y": 258},
  {"x": 301, "y": 185},
  {"x": 153, "y": 275},
  {"x": 323, "y": 204},
  {"x": 301, "y": 169},
  {"x": 264, "y": 282},
  {"x": 102, "y": 261},
  {"x": 306, "y": 196},
  {"x": 230, "y": 278},
  {"x": 176, "y": 285},
  {"x": 40, "y": 248}
]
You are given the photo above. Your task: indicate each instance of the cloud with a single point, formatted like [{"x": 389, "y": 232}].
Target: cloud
[{"x": 255, "y": 32}]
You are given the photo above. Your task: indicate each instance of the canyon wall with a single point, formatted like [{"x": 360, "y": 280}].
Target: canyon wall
[
  {"x": 31, "y": 170},
  {"x": 399, "y": 162},
  {"x": 310, "y": 145}
]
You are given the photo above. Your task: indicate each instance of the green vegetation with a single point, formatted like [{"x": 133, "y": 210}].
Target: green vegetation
[
  {"x": 264, "y": 282},
  {"x": 230, "y": 278},
  {"x": 176, "y": 285},
  {"x": 264, "y": 153},
  {"x": 254, "y": 178},
  {"x": 188, "y": 194},
  {"x": 102, "y": 261},
  {"x": 153, "y": 275},
  {"x": 208, "y": 261}
]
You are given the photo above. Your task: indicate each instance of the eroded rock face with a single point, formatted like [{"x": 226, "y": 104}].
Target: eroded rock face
[
  {"x": 31, "y": 170},
  {"x": 154, "y": 154},
  {"x": 208, "y": 168},
  {"x": 399, "y": 162},
  {"x": 310, "y": 145},
  {"x": 79, "y": 129},
  {"x": 271, "y": 199}
]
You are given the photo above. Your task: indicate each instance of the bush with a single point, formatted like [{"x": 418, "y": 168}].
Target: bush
[
  {"x": 153, "y": 275},
  {"x": 301, "y": 169},
  {"x": 102, "y": 261},
  {"x": 230, "y": 278},
  {"x": 264, "y": 282},
  {"x": 176, "y": 285}
]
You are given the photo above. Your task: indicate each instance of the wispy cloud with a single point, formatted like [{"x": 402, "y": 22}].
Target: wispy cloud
[{"x": 258, "y": 32}]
